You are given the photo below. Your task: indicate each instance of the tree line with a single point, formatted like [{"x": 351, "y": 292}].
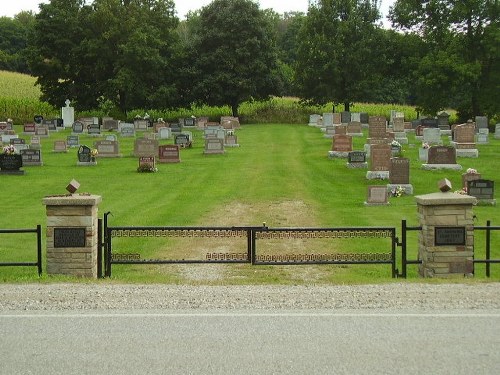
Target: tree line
[{"x": 129, "y": 54}]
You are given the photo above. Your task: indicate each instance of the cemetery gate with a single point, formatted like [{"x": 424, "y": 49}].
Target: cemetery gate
[{"x": 255, "y": 245}]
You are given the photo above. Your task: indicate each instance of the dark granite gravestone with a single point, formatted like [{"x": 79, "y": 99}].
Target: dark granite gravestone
[
  {"x": 77, "y": 127},
  {"x": 399, "y": 173},
  {"x": 481, "y": 189},
  {"x": 442, "y": 155},
  {"x": 84, "y": 155},
  {"x": 356, "y": 157},
  {"x": 32, "y": 157},
  {"x": 11, "y": 164},
  {"x": 169, "y": 154},
  {"x": 345, "y": 117},
  {"x": 182, "y": 140}
]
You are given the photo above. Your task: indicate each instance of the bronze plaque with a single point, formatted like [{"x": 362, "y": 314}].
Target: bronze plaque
[
  {"x": 449, "y": 236},
  {"x": 69, "y": 237}
]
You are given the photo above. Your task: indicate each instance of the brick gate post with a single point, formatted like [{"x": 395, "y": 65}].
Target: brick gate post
[
  {"x": 446, "y": 241},
  {"x": 72, "y": 234}
]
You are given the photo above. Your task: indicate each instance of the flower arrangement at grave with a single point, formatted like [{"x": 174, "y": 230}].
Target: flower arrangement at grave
[
  {"x": 462, "y": 191},
  {"x": 425, "y": 145},
  {"x": 397, "y": 191},
  {"x": 471, "y": 171},
  {"x": 396, "y": 148},
  {"x": 9, "y": 150},
  {"x": 147, "y": 168},
  {"x": 93, "y": 154}
]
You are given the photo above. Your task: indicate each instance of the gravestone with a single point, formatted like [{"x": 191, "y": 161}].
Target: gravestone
[
  {"x": 190, "y": 121},
  {"x": 201, "y": 122},
  {"x": 149, "y": 135},
  {"x": 68, "y": 114},
  {"x": 60, "y": 146},
  {"x": 482, "y": 136},
  {"x": 356, "y": 117},
  {"x": 340, "y": 129},
  {"x": 110, "y": 124},
  {"x": 94, "y": 130},
  {"x": 176, "y": 128},
  {"x": 398, "y": 127},
  {"x": 357, "y": 159},
  {"x": 32, "y": 157},
  {"x": 158, "y": 125},
  {"x": 497, "y": 131},
  {"x": 441, "y": 157},
  {"x": 329, "y": 131},
  {"x": 380, "y": 162},
  {"x": 42, "y": 131},
  {"x": 182, "y": 140},
  {"x": 231, "y": 140},
  {"x": 127, "y": 130},
  {"x": 345, "y": 117},
  {"x": 341, "y": 146},
  {"x": 481, "y": 122},
  {"x": 466, "y": 177},
  {"x": 77, "y": 127},
  {"x": 328, "y": 119},
  {"x": 73, "y": 141},
  {"x": 50, "y": 124},
  {"x": 111, "y": 137},
  {"x": 145, "y": 147},
  {"x": 107, "y": 149},
  {"x": 337, "y": 118},
  {"x": 89, "y": 121},
  {"x": 214, "y": 146},
  {"x": 229, "y": 122},
  {"x": 419, "y": 132},
  {"x": 11, "y": 164},
  {"x": 376, "y": 196},
  {"x": 464, "y": 140},
  {"x": 29, "y": 128},
  {"x": 314, "y": 120},
  {"x": 214, "y": 132},
  {"x": 377, "y": 127},
  {"x": 399, "y": 175},
  {"x": 364, "y": 118},
  {"x": 164, "y": 133},
  {"x": 84, "y": 155},
  {"x": 432, "y": 136},
  {"x": 169, "y": 154},
  {"x": 147, "y": 164},
  {"x": 35, "y": 143},
  {"x": 483, "y": 190},
  {"x": 141, "y": 124},
  {"x": 444, "y": 121},
  {"x": 354, "y": 128}
]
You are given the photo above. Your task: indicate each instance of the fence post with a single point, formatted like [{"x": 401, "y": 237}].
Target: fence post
[
  {"x": 488, "y": 248},
  {"x": 39, "y": 248},
  {"x": 403, "y": 249}
]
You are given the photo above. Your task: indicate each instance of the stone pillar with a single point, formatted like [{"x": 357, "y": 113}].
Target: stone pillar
[
  {"x": 446, "y": 241},
  {"x": 72, "y": 234}
]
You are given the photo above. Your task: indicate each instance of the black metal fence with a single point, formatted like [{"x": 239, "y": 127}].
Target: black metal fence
[
  {"x": 38, "y": 263},
  {"x": 487, "y": 260},
  {"x": 257, "y": 245}
]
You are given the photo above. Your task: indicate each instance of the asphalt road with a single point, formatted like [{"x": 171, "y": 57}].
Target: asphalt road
[{"x": 250, "y": 342}]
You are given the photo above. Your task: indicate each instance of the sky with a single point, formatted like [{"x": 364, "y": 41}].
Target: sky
[{"x": 10, "y": 8}]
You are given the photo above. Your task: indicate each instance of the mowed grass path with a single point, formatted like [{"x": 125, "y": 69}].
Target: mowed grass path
[{"x": 280, "y": 175}]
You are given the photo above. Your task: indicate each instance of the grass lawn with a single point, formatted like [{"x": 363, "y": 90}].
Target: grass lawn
[{"x": 280, "y": 175}]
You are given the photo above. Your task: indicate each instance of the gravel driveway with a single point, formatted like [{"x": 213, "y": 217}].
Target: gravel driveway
[{"x": 92, "y": 296}]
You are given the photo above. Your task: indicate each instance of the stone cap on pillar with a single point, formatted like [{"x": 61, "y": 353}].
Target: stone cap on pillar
[
  {"x": 446, "y": 198},
  {"x": 72, "y": 200}
]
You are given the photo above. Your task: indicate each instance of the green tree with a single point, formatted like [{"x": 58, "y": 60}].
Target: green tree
[
  {"x": 461, "y": 66},
  {"x": 236, "y": 56},
  {"x": 112, "y": 50},
  {"x": 13, "y": 40},
  {"x": 338, "y": 60}
]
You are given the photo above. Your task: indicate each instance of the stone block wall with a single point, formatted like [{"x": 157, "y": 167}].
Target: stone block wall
[
  {"x": 449, "y": 212},
  {"x": 74, "y": 219}
]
